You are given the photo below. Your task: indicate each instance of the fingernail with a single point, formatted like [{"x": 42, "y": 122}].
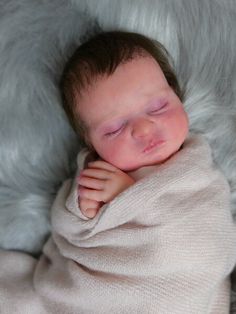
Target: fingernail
[{"x": 90, "y": 212}]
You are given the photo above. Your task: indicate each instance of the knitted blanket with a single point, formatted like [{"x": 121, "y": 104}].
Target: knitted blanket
[{"x": 165, "y": 245}]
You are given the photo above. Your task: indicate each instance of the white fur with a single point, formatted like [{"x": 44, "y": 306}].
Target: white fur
[{"x": 37, "y": 144}]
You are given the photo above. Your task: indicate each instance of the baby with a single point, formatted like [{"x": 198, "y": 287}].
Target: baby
[
  {"x": 122, "y": 90},
  {"x": 122, "y": 96}
]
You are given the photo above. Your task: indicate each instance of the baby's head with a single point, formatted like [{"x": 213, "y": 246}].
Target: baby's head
[{"x": 122, "y": 97}]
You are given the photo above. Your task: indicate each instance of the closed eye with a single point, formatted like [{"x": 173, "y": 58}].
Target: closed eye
[
  {"x": 157, "y": 110},
  {"x": 115, "y": 132}
]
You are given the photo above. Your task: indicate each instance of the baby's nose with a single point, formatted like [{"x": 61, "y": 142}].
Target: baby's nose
[{"x": 141, "y": 128}]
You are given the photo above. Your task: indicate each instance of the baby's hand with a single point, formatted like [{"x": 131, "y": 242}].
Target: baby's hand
[
  {"x": 100, "y": 183},
  {"x": 88, "y": 207}
]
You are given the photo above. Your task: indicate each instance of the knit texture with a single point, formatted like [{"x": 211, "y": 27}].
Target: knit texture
[{"x": 165, "y": 245}]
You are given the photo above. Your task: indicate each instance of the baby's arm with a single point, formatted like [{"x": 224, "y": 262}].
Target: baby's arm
[{"x": 100, "y": 183}]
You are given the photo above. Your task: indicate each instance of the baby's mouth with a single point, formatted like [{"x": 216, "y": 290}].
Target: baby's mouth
[{"x": 152, "y": 145}]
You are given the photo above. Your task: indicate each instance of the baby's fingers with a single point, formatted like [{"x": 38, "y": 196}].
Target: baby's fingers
[
  {"x": 91, "y": 194},
  {"x": 89, "y": 208},
  {"x": 95, "y": 173},
  {"x": 91, "y": 183},
  {"x": 100, "y": 164}
]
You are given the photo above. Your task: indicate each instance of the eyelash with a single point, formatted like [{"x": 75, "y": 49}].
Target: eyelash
[
  {"x": 157, "y": 110},
  {"x": 114, "y": 132}
]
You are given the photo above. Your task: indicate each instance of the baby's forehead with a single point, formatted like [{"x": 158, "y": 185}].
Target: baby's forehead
[
  {"x": 93, "y": 79},
  {"x": 133, "y": 74},
  {"x": 131, "y": 86}
]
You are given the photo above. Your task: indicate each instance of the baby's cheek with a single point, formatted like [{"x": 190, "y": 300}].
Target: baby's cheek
[
  {"x": 124, "y": 160},
  {"x": 116, "y": 151},
  {"x": 111, "y": 155}
]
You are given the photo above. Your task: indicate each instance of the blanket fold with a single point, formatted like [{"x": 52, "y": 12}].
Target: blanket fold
[{"x": 165, "y": 245}]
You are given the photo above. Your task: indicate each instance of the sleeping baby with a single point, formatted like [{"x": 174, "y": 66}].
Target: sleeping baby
[{"x": 145, "y": 225}]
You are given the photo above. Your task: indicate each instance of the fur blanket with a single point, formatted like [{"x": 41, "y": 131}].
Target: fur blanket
[{"x": 165, "y": 245}]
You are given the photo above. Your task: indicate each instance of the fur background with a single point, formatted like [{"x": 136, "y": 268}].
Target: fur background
[{"x": 38, "y": 147}]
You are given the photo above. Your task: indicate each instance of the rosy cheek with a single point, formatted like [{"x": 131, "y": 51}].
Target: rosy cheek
[
  {"x": 111, "y": 150},
  {"x": 106, "y": 152},
  {"x": 177, "y": 121},
  {"x": 173, "y": 113},
  {"x": 109, "y": 155}
]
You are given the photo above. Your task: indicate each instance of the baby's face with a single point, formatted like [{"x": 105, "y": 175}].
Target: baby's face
[{"x": 134, "y": 118}]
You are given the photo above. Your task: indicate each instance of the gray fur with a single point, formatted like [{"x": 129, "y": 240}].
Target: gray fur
[{"x": 37, "y": 144}]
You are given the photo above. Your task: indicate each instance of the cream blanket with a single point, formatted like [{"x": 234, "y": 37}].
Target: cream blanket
[{"x": 166, "y": 245}]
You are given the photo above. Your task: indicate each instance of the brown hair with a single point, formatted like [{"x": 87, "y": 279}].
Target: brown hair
[{"x": 101, "y": 55}]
